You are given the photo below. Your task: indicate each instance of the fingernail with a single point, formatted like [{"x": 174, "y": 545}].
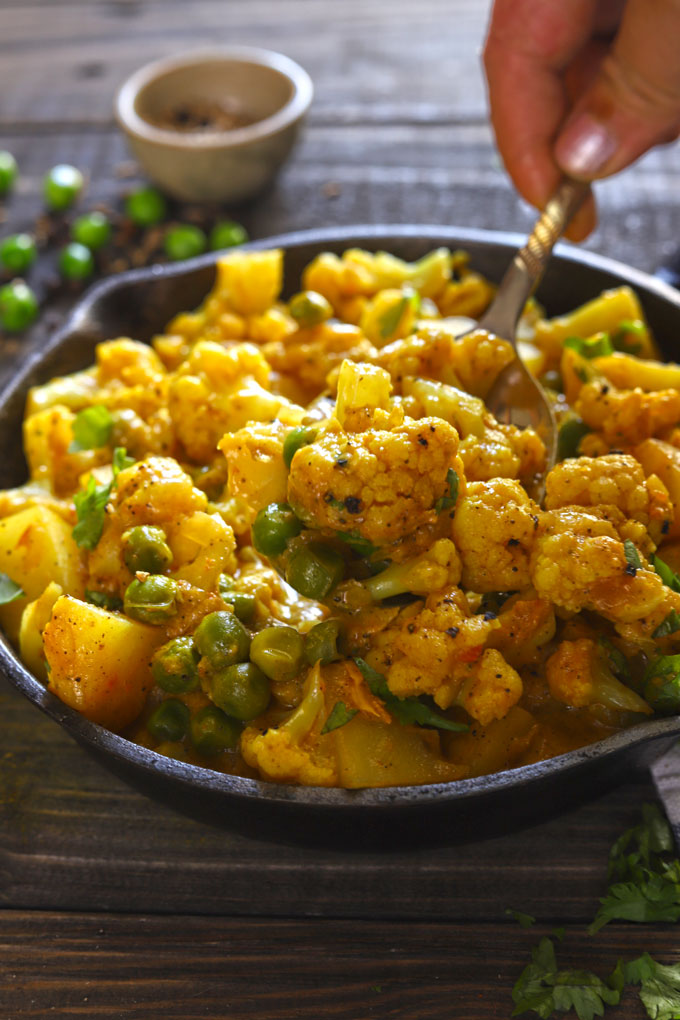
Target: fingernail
[{"x": 585, "y": 146}]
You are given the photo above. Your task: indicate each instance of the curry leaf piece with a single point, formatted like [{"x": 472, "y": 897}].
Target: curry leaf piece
[
  {"x": 446, "y": 502},
  {"x": 9, "y": 590},
  {"x": 90, "y": 504},
  {"x": 544, "y": 989},
  {"x": 668, "y": 576},
  {"x": 644, "y": 875},
  {"x": 339, "y": 715},
  {"x": 407, "y": 711},
  {"x": 659, "y": 986},
  {"x": 631, "y": 554},
  {"x": 91, "y": 428}
]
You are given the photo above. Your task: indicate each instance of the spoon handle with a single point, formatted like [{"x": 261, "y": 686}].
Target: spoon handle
[{"x": 528, "y": 265}]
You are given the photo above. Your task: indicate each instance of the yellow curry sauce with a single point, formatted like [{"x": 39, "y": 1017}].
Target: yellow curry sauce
[{"x": 288, "y": 540}]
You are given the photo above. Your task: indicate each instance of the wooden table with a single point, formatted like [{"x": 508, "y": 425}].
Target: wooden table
[{"x": 114, "y": 905}]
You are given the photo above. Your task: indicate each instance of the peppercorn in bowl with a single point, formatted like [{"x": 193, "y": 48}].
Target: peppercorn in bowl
[{"x": 282, "y": 556}]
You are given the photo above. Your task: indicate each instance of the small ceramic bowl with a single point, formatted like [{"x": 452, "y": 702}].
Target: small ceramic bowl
[{"x": 214, "y": 126}]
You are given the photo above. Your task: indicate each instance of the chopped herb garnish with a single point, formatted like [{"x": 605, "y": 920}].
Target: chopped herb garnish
[
  {"x": 632, "y": 555},
  {"x": 103, "y": 600},
  {"x": 407, "y": 711},
  {"x": 569, "y": 437},
  {"x": 594, "y": 347},
  {"x": 90, "y": 503},
  {"x": 621, "y": 337},
  {"x": 662, "y": 684},
  {"x": 446, "y": 502},
  {"x": 669, "y": 625},
  {"x": 668, "y": 576},
  {"x": 618, "y": 663},
  {"x": 339, "y": 716},
  {"x": 92, "y": 429},
  {"x": 9, "y": 590},
  {"x": 361, "y": 546}
]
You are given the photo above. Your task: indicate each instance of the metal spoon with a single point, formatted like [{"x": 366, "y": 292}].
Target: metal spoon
[{"x": 516, "y": 397}]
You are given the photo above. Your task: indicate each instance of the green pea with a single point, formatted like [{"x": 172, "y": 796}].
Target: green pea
[
  {"x": 92, "y": 230},
  {"x": 211, "y": 730},
  {"x": 321, "y": 643},
  {"x": 309, "y": 308},
  {"x": 244, "y": 604},
  {"x": 61, "y": 187},
  {"x": 17, "y": 252},
  {"x": 184, "y": 242},
  {"x": 314, "y": 570},
  {"x": 145, "y": 207},
  {"x": 241, "y": 690},
  {"x": 175, "y": 666},
  {"x": 298, "y": 437},
  {"x": 145, "y": 548},
  {"x": 8, "y": 171},
  {"x": 278, "y": 651},
  {"x": 222, "y": 639},
  {"x": 152, "y": 600},
  {"x": 169, "y": 721},
  {"x": 18, "y": 306},
  {"x": 274, "y": 527},
  {"x": 76, "y": 262},
  {"x": 227, "y": 234}
]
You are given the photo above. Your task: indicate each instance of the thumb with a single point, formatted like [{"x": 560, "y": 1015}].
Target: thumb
[{"x": 634, "y": 101}]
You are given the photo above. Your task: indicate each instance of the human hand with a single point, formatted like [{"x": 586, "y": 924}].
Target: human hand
[{"x": 582, "y": 87}]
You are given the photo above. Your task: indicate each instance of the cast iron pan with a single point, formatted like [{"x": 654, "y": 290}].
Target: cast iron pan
[{"x": 139, "y": 304}]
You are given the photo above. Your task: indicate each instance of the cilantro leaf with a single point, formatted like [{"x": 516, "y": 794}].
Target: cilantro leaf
[
  {"x": 644, "y": 875},
  {"x": 361, "y": 546},
  {"x": 405, "y": 710},
  {"x": 669, "y": 625},
  {"x": 523, "y": 920},
  {"x": 339, "y": 716},
  {"x": 631, "y": 554},
  {"x": 91, "y": 428},
  {"x": 9, "y": 590},
  {"x": 659, "y": 986},
  {"x": 662, "y": 684},
  {"x": 668, "y": 576},
  {"x": 594, "y": 347},
  {"x": 103, "y": 600},
  {"x": 543, "y": 988},
  {"x": 90, "y": 504},
  {"x": 446, "y": 502}
]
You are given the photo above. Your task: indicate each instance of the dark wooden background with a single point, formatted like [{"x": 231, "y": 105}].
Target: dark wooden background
[{"x": 114, "y": 905}]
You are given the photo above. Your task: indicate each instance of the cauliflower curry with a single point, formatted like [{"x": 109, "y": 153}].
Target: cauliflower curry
[{"x": 288, "y": 540}]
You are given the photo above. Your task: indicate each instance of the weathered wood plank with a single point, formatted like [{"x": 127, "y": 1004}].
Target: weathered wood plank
[
  {"x": 189, "y": 967},
  {"x": 72, "y": 836}
]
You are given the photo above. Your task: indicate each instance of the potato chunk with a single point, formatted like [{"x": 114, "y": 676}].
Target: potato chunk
[
  {"x": 36, "y": 547},
  {"x": 99, "y": 662}
]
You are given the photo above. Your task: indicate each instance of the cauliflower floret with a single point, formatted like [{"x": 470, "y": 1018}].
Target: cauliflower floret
[
  {"x": 526, "y": 625},
  {"x": 382, "y": 483},
  {"x": 579, "y": 562},
  {"x": 127, "y": 362},
  {"x": 203, "y": 548},
  {"x": 220, "y": 389},
  {"x": 503, "y": 451},
  {"x": 494, "y": 528},
  {"x": 257, "y": 472},
  {"x": 295, "y": 751},
  {"x": 47, "y": 437},
  {"x": 436, "y": 568},
  {"x": 612, "y": 480},
  {"x": 626, "y": 417},
  {"x": 471, "y": 363},
  {"x": 307, "y": 357},
  {"x": 579, "y": 675}
]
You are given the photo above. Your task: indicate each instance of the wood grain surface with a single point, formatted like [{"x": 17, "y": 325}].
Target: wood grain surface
[{"x": 116, "y": 905}]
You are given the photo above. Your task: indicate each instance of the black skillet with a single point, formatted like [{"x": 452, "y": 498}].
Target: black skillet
[{"x": 138, "y": 304}]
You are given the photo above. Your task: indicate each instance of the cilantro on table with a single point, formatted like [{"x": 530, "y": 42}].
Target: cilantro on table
[
  {"x": 405, "y": 710},
  {"x": 90, "y": 503},
  {"x": 644, "y": 878},
  {"x": 643, "y": 873},
  {"x": 92, "y": 428}
]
